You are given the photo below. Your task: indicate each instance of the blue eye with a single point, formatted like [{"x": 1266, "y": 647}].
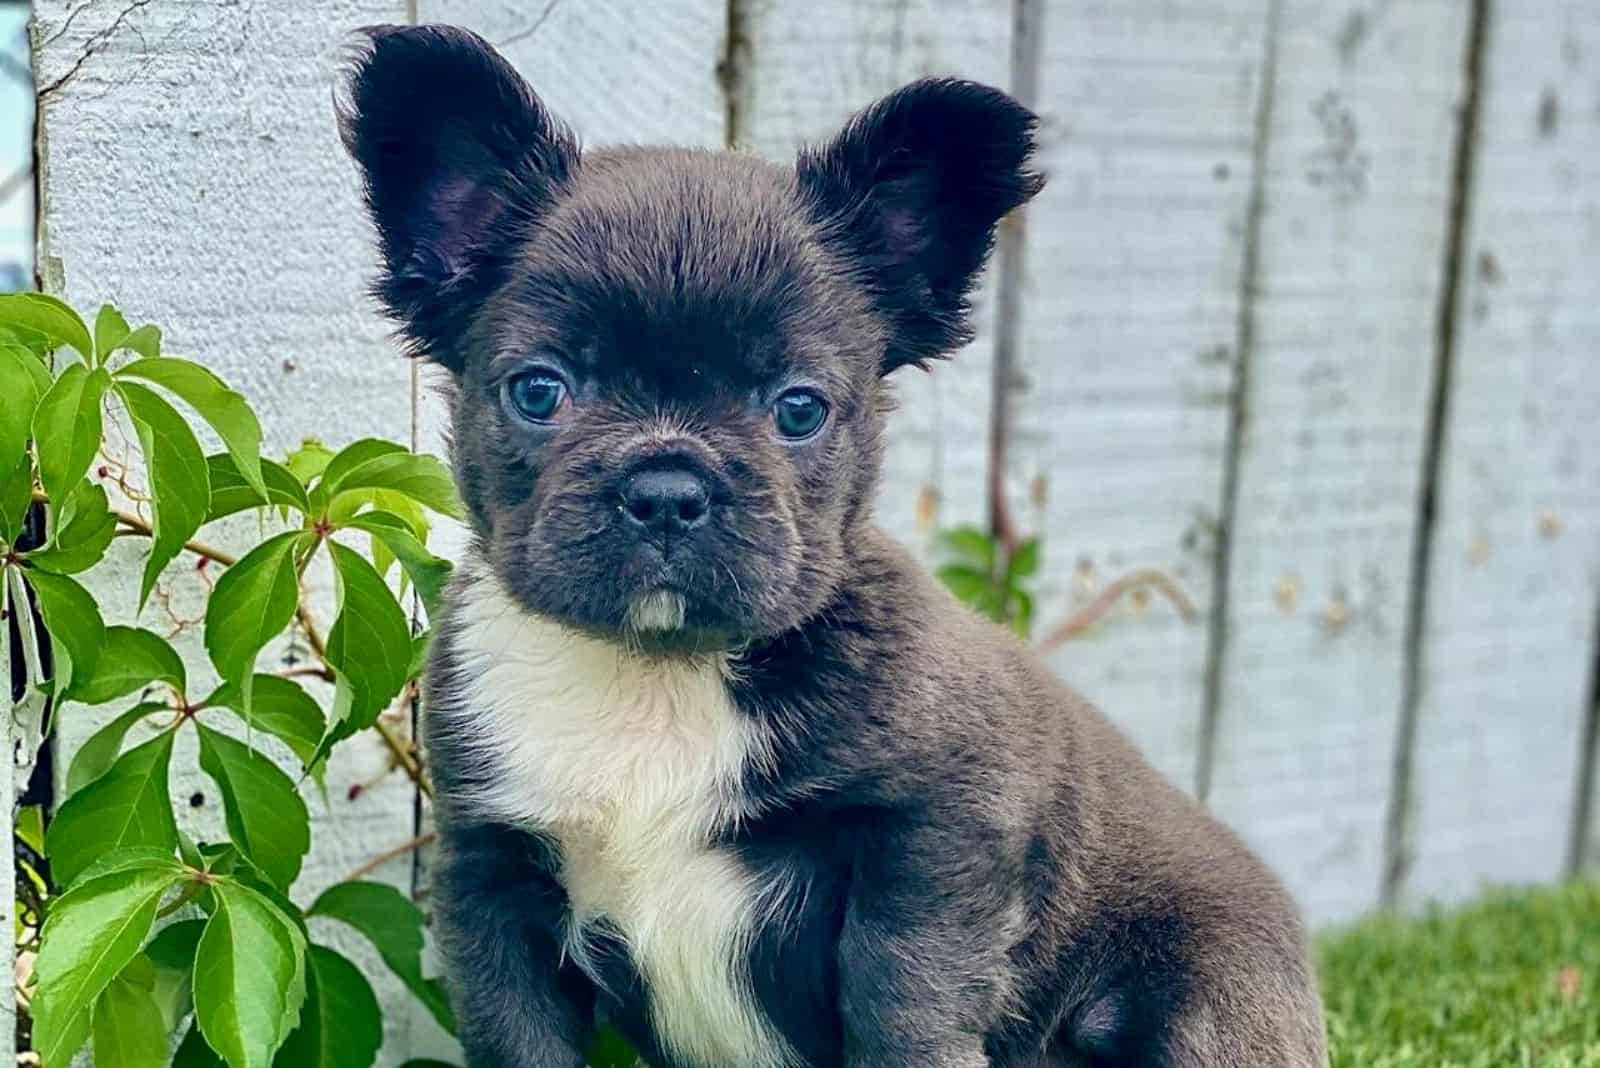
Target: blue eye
[
  {"x": 799, "y": 413},
  {"x": 535, "y": 395}
]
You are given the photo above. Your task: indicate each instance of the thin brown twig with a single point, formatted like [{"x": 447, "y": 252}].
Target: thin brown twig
[
  {"x": 323, "y": 673},
  {"x": 1096, "y": 609},
  {"x": 419, "y": 842}
]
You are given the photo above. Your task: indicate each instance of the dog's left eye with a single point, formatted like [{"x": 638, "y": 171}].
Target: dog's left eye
[
  {"x": 535, "y": 395},
  {"x": 799, "y": 413}
]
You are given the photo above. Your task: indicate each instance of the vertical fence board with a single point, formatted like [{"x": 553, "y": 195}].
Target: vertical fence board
[
  {"x": 1332, "y": 438},
  {"x": 619, "y": 73},
  {"x": 1133, "y": 254},
  {"x": 191, "y": 173},
  {"x": 802, "y": 70},
  {"x": 1509, "y": 647}
]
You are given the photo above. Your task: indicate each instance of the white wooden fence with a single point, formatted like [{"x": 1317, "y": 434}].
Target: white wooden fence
[{"x": 1308, "y": 318}]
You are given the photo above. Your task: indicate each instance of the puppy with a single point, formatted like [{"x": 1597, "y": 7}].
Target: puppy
[{"x": 716, "y": 760}]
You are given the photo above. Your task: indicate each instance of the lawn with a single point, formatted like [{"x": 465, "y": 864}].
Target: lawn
[{"x": 1508, "y": 982}]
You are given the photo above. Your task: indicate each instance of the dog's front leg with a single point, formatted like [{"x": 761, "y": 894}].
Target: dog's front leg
[
  {"x": 923, "y": 968},
  {"x": 516, "y": 1004}
]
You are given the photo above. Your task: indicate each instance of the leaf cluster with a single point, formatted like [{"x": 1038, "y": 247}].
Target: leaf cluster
[{"x": 146, "y": 934}]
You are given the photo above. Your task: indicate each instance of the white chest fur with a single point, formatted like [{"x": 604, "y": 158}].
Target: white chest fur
[{"x": 631, "y": 765}]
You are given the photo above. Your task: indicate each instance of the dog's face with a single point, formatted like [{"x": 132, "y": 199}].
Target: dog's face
[{"x": 669, "y": 364}]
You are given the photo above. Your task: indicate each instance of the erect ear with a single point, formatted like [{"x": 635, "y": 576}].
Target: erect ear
[
  {"x": 458, "y": 157},
  {"x": 912, "y": 189}
]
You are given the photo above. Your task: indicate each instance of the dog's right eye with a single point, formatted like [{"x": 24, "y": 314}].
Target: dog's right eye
[{"x": 535, "y": 395}]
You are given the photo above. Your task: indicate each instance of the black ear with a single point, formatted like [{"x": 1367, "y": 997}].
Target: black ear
[
  {"x": 458, "y": 157},
  {"x": 913, "y": 188}
]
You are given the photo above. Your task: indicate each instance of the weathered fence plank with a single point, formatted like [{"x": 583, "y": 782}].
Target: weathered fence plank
[
  {"x": 1508, "y": 653},
  {"x": 1335, "y": 406},
  {"x": 797, "y": 72},
  {"x": 1128, "y": 346},
  {"x": 619, "y": 73},
  {"x": 191, "y": 174}
]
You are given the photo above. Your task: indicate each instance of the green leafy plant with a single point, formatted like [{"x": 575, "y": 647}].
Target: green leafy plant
[
  {"x": 135, "y": 932},
  {"x": 995, "y": 574},
  {"x": 991, "y": 576}
]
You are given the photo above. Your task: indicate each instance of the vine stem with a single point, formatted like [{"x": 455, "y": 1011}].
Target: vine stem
[
  {"x": 405, "y": 756},
  {"x": 1092, "y": 612},
  {"x": 419, "y": 842}
]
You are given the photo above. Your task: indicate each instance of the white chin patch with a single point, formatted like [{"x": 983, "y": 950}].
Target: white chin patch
[{"x": 658, "y": 610}]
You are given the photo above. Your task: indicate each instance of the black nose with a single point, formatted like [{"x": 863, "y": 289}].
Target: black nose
[{"x": 666, "y": 500}]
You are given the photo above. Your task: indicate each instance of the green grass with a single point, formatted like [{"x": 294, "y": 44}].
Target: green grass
[{"x": 1512, "y": 981}]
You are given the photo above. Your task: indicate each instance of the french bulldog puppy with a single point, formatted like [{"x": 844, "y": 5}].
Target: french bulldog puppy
[{"x": 716, "y": 760}]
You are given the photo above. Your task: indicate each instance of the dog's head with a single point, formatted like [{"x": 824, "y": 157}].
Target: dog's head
[{"x": 668, "y": 364}]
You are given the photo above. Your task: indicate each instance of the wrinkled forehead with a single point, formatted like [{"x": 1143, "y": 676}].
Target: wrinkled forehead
[{"x": 678, "y": 271}]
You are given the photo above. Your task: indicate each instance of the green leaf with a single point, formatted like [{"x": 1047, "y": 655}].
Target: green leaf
[
  {"x": 266, "y": 817},
  {"x": 422, "y": 478},
  {"x": 130, "y": 659},
  {"x": 421, "y": 645},
  {"x": 342, "y": 1025},
  {"x": 128, "y": 1028},
  {"x": 1025, "y": 561},
  {"x": 132, "y": 858},
  {"x": 128, "y": 805},
  {"x": 146, "y": 341},
  {"x": 110, "y": 331},
  {"x": 230, "y": 492},
  {"x": 180, "y": 481},
  {"x": 93, "y": 931},
  {"x": 279, "y": 707},
  {"x": 966, "y": 583},
  {"x": 336, "y": 468},
  {"x": 46, "y": 315},
  {"x": 228, "y": 412},
  {"x": 96, "y": 756},
  {"x": 369, "y": 645},
  {"x": 309, "y": 460},
  {"x": 974, "y": 545},
  {"x": 1022, "y": 613},
  {"x": 173, "y": 994},
  {"x": 194, "y": 1053},
  {"x": 32, "y": 340},
  {"x": 221, "y": 858},
  {"x": 23, "y": 380},
  {"x": 608, "y": 1049},
  {"x": 251, "y": 604},
  {"x": 66, "y": 428},
  {"x": 171, "y": 955},
  {"x": 189, "y": 852},
  {"x": 393, "y": 925},
  {"x": 173, "y": 947},
  {"x": 16, "y": 497},
  {"x": 249, "y": 977},
  {"x": 428, "y": 572},
  {"x": 84, "y": 529},
  {"x": 74, "y": 623},
  {"x": 30, "y": 827}
]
